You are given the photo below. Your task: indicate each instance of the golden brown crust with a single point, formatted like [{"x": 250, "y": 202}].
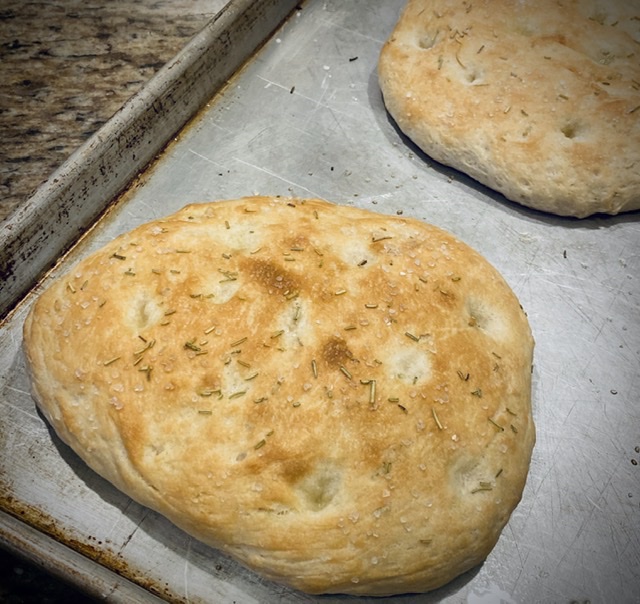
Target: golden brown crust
[
  {"x": 337, "y": 398},
  {"x": 538, "y": 100}
]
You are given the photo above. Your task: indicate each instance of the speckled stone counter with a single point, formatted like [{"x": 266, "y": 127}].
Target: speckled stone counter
[{"x": 67, "y": 66}]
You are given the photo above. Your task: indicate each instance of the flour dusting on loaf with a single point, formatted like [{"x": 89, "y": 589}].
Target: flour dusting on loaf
[
  {"x": 539, "y": 100},
  {"x": 339, "y": 399}
]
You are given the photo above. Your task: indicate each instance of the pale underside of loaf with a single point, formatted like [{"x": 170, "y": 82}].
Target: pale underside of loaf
[
  {"x": 539, "y": 100},
  {"x": 338, "y": 399}
]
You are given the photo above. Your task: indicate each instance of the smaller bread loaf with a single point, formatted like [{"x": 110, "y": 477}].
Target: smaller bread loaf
[
  {"x": 539, "y": 100},
  {"x": 338, "y": 399}
]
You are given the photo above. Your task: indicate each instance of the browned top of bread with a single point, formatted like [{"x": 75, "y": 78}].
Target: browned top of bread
[
  {"x": 337, "y": 398},
  {"x": 539, "y": 100}
]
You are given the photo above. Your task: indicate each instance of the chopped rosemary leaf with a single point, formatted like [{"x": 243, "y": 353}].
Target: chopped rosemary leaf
[
  {"x": 393, "y": 399},
  {"x": 191, "y": 345},
  {"x": 411, "y": 336},
  {"x": 231, "y": 275},
  {"x": 147, "y": 369},
  {"x": 238, "y": 342},
  {"x": 436, "y": 418},
  {"x": 110, "y": 361},
  {"x": 118, "y": 256},
  {"x": 314, "y": 368},
  {"x": 372, "y": 392},
  {"x": 205, "y": 411},
  {"x": 237, "y": 394},
  {"x": 477, "y": 392},
  {"x": 345, "y": 371},
  {"x": 170, "y": 312},
  {"x": 277, "y": 334},
  {"x": 209, "y": 330},
  {"x": 340, "y": 292},
  {"x": 150, "y": 344},
  {"x": 481, "y": 488},
  {"x": 260, "y": 444},
  {"x": 496, "y": 425},
  {"x": 371, "y": 306}
]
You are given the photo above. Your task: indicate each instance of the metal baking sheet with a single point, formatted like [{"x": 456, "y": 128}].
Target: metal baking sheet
[{"x": 305, "y": 117}]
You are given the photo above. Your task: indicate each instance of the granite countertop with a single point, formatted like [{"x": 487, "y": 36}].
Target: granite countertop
[{"x": 67, "y": 66}]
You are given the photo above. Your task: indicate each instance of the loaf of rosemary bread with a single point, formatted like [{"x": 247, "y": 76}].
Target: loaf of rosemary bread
[
  {"x": 339, "y": 399},
  {"x": 539, "y": 100}
]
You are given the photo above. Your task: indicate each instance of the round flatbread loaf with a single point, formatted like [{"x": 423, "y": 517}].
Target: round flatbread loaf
[
  {"x": 539, "y": 100},
  {"x": 338, "y": 399}
]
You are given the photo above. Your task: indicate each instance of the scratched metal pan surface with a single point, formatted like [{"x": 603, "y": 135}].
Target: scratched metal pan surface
[{"x": 305, "y": 117}]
